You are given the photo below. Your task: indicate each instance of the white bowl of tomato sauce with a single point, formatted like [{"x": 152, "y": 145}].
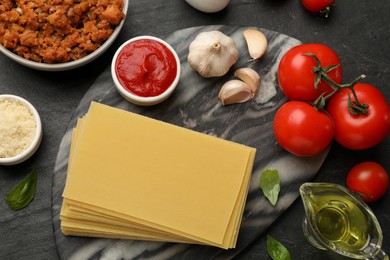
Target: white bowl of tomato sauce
[{"x": 145, "y": 70}]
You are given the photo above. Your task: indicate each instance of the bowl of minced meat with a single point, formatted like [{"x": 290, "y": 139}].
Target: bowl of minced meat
[
  {"x": 59, "y": 35},
  {"x": 20, "y": 129}
]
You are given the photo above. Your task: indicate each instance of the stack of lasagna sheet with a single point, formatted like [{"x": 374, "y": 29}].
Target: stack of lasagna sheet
[{"x": 133, "y": 177}]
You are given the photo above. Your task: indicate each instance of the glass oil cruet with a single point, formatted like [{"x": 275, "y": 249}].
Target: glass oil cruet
[{"x": 338, "y": 220}]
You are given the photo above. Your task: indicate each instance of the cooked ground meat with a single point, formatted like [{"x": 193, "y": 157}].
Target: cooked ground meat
[{"x": 57, "y": 31}]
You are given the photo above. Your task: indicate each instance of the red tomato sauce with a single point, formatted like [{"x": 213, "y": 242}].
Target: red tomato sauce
[{"x": 146, "y": 68}]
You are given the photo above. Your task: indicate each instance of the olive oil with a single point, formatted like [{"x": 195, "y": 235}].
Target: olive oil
[
  {"x": 337, "y": 220},
  {"x": 341, "y": 222}
]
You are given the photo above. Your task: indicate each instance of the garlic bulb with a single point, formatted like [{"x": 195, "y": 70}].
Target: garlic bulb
[
  {"x": 212, "y": 54},
  {"x": 235, "y": 91},
  {"x": 208, "y": 6}
]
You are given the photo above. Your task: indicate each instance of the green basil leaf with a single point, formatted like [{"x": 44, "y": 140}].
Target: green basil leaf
[
  {"x": 23, "y": 193},
  {"x": 270, "y": 184},
  {"x": 276, "y": 250}
]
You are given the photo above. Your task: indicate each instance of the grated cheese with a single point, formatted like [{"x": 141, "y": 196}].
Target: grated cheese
[{"x": 17, "y": 127}]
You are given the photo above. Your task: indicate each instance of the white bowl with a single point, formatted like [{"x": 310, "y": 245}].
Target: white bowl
[
  {"x": 208, "y": 6},
  {"x": 30, "y": 150},
  {"x": 71, "y": 64},
  {"x": 139, "y": 100}
]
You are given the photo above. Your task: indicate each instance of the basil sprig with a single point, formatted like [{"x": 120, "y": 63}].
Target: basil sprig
[
  {"x": 277, "y": 250},
  {"x": 23, "y": 193},
  {"x": 270, "y": 184}
]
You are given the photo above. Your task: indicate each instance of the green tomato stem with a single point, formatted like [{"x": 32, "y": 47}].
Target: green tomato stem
[
  {"x": 325, "y": 12},
  {"x": 355, "y": 107}
]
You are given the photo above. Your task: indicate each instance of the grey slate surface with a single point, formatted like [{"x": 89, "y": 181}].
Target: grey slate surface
[{"x": 359, "y": 31}]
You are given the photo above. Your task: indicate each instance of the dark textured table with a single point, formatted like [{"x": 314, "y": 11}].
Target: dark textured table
[{"x": 359, "y": 31}]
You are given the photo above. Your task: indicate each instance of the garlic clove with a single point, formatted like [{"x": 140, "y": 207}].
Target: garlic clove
[
  {"x": 250, "y": 77},
  {"x": 257, "y": 43},
  {"x": 212, "y": 54},
  {"x": 235, "y": 91}
]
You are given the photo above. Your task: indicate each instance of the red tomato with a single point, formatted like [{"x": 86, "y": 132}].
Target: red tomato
[
  {"x": 316, "y": 6},
  {"x": 357, "y": 132},
  {"x": 369, "y": 179},
  {"x": 301, "y": 129},
  {"x": 296, "y": 76}
]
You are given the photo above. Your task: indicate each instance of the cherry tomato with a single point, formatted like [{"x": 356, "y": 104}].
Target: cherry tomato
[
  {"x": 296, "y": 76},
  {"x": 301, "y": 129},
  {"x": 357, "y": 132},
  {"x": 369, "y": 179},
  {"x": 316, "y": 6}
]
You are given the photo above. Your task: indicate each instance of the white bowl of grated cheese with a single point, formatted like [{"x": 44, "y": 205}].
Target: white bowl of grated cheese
[{"x": 20, "y": 130}]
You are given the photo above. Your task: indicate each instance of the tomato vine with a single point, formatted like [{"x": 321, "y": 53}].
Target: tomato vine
[{"x": 355, "y": 107}]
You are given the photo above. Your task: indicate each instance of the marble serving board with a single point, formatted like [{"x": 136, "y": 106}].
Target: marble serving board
[{"x": 195, "y": 105}]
